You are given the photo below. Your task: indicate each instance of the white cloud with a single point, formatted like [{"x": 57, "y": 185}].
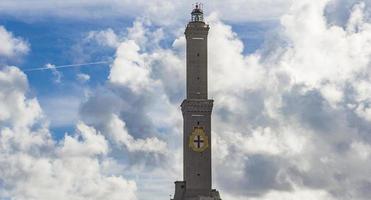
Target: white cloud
[
  {"x": 242, "y": 73},
  {"x": 130, "y": 68},
  {"x": 34, "y": 166},
  {"x": 134, "y": 69},
  {"x": 139, "y": 76},
  {"x": 83, "y": 77},
  {"x": 105, "y": 38},
  {"x": 56, "y": 73},
  {"x": 11, "y": 46},
  {"x": 304, "y": 194},
  {"x": 361, "y": 149},
  {"x": 15, "y": 108},
  {"x": 313, "y": 125},
  {"x": 364, "y": 111},
  {"x": 356, "y": 19},
  {"x": 332, "y": 94},
  {"x": 315, "y": 46},
  {"x": 362, "y": 90},
  {"x": 93, "y": 143},
  {"x": 118, "y": 132},
  {"x": 297, "y": 193},
  {"x": 282, "y": 142}
]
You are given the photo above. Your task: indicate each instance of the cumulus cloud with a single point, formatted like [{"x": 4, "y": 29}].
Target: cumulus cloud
[
  {"x": 136, "y": 110},
  {"x": 105, "y": 38},
  {"x": 306, "y": 87},
  {"x": 34, "y": 166},
  {"x": 133, "y": 81},
  {"x": 15, "y": 108},
  {"x": 298, "y": 193},
  {"x": 11, "y": 46},
  {"x": 129, "y": 68},
  {"x": 346, "y": 54},
  {"x": 117, "y": 130}
]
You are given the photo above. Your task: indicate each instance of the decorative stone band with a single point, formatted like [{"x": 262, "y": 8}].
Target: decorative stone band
[
  {"x": 197, "y": 29},
  {"x": 190, "y": 33},
  {"x": 197, "y": 105},
  {"x": 198, "y": 26}
]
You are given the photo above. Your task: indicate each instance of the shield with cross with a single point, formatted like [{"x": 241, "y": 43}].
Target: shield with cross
[{"x": 198, "y": 140}]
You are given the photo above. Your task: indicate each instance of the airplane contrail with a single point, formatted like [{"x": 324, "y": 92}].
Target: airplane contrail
[{"x": 66, "y": 66}]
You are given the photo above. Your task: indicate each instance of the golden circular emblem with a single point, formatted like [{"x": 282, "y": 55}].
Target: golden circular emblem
[{"x": 198, "y": 141}]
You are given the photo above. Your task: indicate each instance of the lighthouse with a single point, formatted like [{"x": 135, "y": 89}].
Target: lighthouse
[{"x": 196, "y": 110}]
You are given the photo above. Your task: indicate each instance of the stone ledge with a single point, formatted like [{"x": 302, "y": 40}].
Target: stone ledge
[{"x": 197, "y": 105}]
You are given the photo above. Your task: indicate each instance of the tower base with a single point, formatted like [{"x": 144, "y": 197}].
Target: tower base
[{"x": 181, "y": 193}]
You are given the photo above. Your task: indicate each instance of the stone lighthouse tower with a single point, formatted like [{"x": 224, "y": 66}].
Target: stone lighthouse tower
[{"x": 196, "y": 109}]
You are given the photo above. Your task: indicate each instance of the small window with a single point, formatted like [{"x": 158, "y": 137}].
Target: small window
[
  {"x": 198, "y": 54},
  {"x": 198, "y": 123},
  {"x": 198, "y": 78},
  {"x": 198, "y": 174}
]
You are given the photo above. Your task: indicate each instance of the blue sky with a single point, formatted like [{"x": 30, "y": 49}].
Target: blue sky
[
  {"x": 291, "y": 82},
  {"x": 52, "y": 43}
]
